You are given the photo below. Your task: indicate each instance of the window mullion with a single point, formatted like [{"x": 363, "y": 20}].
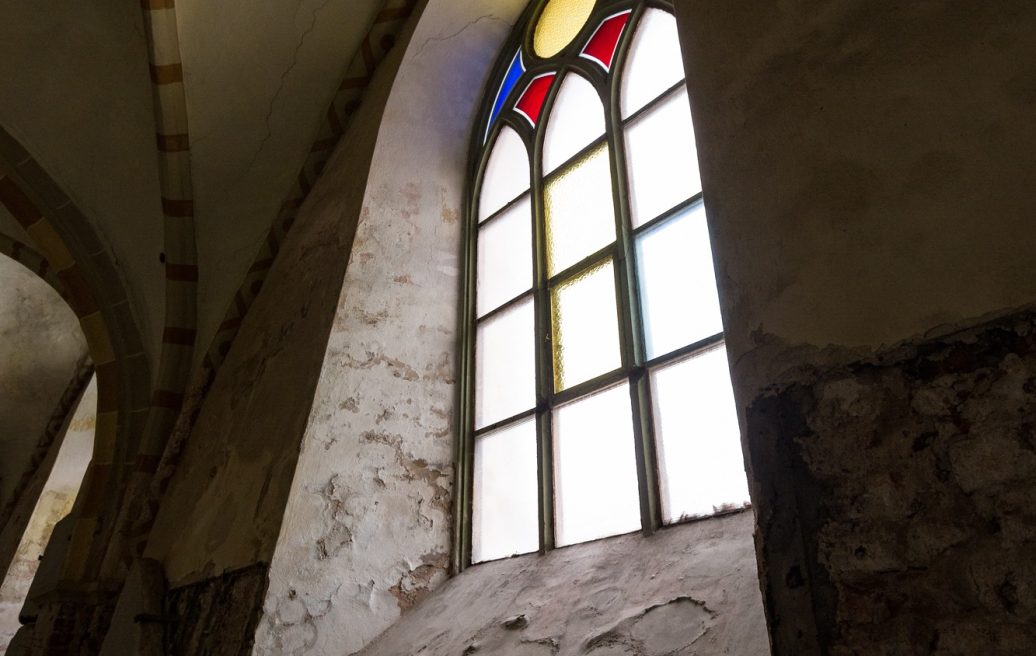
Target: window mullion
[
  {"x": 632, "y": 334},
  {"x": 544, "y": 347}
]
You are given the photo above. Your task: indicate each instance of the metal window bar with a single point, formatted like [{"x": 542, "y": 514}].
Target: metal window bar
[{"x": 634, "y": 366}]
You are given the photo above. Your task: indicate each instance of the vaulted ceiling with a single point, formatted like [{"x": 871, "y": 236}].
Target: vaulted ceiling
[{"x": 258, "y": 78}]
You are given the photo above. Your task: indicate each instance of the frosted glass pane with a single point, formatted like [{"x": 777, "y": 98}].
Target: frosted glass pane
[
  {"x": 596, "y": 493},
  {"x": 505, "y": 508},
  {"x": 653, "y": 63},
  {"x": 579, "y": 209},
  {"x": 663, "y": 159},
  {"x": 505, "y": 257},
  {"x": 507, "y": 173},
  {"x": 559, "y": 23},
  {"x": 677, "y": 283},
  {"x": 575, "y": 121},
  {"x": 585, "y": 325},
  {"x": 505, "y": 365},
  {"x": 699, "y": 443}
]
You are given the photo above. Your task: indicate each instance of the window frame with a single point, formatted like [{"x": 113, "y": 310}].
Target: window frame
[{"x": 635, "y": 367}]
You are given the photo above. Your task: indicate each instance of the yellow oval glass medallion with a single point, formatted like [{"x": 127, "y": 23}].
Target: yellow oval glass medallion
[{"x": 559, "y": 23}]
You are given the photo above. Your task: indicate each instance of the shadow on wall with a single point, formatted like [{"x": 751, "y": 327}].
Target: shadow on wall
[{"x": 54, "y": 504}]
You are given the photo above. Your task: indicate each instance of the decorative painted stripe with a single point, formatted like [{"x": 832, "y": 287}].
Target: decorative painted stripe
[
  {"x": 181, "y": 272},
  {"x": 166, "y": 399},
  {"x": 179, "y": 209},
  {"x": 173, "y": 143},
  {"x": 166, "y": 74},
  {"x": 181, "y": 336}
]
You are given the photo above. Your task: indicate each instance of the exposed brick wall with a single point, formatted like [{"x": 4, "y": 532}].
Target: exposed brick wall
[{"x": 898, "y": 499}]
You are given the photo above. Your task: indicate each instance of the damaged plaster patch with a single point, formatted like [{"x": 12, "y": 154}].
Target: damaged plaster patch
[
  {"x": 689, "y": 590},
  {"x": 913, "y": 472}
]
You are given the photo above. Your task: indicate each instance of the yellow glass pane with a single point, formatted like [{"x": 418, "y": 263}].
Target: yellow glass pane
[
  {"x": 585, "y": 327},
  {"x": 579, "y": 210},
  {"x": 559, "y": 23}
]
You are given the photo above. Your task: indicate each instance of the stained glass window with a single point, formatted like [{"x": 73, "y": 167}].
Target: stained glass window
[{"x": 597, "y": 394}]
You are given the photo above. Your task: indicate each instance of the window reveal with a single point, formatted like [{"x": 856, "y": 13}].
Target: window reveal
[{"x": 597, "y": 399}]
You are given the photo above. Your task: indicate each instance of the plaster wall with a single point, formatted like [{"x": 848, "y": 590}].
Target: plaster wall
[
  {"x": 258, "y": 78},
  {"x": 366, "y": 532},
  {"x": 866, "y": 166},
  {"x": 867, "y": 172},
  {"x": 77, "y": 95},
  {"x": 236, "y": 469},
  {"x": 690, "y": 589},
  {"x": 40, "y": 348},
  {"x": 55, "y": 502}
]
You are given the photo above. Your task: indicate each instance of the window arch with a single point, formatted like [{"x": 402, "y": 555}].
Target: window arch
[{"x": 596, "y": 395}]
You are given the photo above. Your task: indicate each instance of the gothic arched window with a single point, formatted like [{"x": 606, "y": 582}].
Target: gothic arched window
[{"x": 597, "y": 398}]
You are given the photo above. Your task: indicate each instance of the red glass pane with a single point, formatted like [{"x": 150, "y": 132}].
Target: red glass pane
[
  {"x": 602, "y": 45},
  {"x": 531, "y": 103}
]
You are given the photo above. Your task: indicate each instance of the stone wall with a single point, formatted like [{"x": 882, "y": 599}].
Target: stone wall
[
  {"x": 867, "y": 171},
  {"x": 913, "y": 474}
]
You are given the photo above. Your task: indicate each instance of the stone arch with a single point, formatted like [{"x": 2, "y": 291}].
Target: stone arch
[{"x": 92, "y": 286}]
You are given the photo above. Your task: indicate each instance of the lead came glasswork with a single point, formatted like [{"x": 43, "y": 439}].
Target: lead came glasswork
[
  {"x": 559, "y": 23},
  {"x": 505, "y": 512},
  {"x": 585, "y": 327},
  {"x": 654, "y": 62},
  {"x": 605, "y": 39},
  {"x": 596, "y": 480},
  {"x": 530, "y": 104},
  {"x": 505, "y": 257},
  {"x": 505, "y": 365},
  {"x": 576, "y": 120},
  {"x": 514, "y": 73},
  {"x": 578, "y": 209},
  {"x": 596, "y": 393},
  {"x": 699, "y": 441},
  {"x": 663, "y": 164},
  {"x": 507, "y": 173},
  {"x": 678, "y": 295}
]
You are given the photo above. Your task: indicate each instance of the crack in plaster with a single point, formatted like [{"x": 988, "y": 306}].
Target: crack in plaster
[{"x": 284, "y": 77}]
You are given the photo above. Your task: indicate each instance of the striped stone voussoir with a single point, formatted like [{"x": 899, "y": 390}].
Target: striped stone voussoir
[
  {"x": 380, "y": 38},
  {"x": 33, "y": 261}
]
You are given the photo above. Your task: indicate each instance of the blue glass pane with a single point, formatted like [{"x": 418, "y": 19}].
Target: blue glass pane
[{"x": 514, "y": 72}]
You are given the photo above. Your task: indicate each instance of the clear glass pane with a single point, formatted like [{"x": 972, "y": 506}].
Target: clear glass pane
[
  {"x": 596, "y": 492},
  {"x": 559, "y": 23},
  {"x": 585, "y": 326},
  {"x": 505, "y": 509},
  {"x": 507, "y": 173},
  {"x": 579, "y": 210},
  {"x": 699, "y": 443},
  {"x": 575, "y": 121},
  {"x": 505, "y": 257},
  {"x": 654, "y": 62},
  {"x": 677, "y": 283},
  {"x": 662, "y": 158},
  {"x": 505, "y": 365}
]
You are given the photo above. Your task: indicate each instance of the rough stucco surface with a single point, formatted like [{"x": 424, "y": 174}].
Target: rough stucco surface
[
  {"x": 867, "y": 169},
  {"x": 55, "y": 502},
  {"x": 366, "y": 533},
  {"x": 258, "y": 78},
  {"x": 236, "y": 470},
  {"x": 40, "y": 347},
  {"x": 866, "y": 165},
  {"x": 922, "y": 542},
  {"x": 77, "y": 95},
  {"x": 688, "y": 590}
]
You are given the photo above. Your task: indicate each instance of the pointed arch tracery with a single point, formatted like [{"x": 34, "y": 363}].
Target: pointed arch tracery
[{"x": 596, "y": 394}]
